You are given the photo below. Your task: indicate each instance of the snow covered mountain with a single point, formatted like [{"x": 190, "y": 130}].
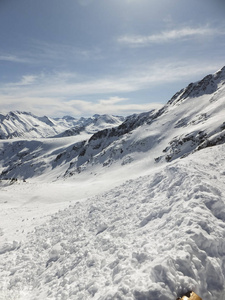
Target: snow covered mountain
[
  {"x": 28, "y": 126},
  {"x": 192, "y": 120},
  {"x": 132, "y": 212}
]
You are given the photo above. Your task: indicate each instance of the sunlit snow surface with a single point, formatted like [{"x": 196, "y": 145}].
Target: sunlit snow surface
[{"x": 153, "y": 237}]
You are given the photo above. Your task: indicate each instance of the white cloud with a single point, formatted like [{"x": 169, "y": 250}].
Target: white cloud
[
  {"x": 67, "y": 85},
  {"x": 63, "y": 93},
  {"x": 26, "y": 80},
  {"x": 112, "y": 100},
  {"x": 13, "y": 58},
  {"x": 57, "y": 107},
  {"x": 110, "y": 106},
  {"x": 170, "y": 35}
]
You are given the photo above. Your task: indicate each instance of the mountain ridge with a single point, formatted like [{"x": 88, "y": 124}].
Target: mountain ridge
[
  {"x": 207, "y": 85},
  {"x": 184, "y": 125},
  {"x": 17, "y": 124}
]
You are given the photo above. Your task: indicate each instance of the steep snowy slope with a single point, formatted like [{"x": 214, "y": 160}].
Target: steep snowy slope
[
  {"x": 192, "y": 120},
  {"x": 28, "y": 126}
]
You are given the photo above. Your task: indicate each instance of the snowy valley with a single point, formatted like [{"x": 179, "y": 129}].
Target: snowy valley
[{"x": 113, "y": 208}]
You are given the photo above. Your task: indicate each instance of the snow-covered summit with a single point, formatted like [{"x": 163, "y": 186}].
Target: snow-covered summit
[
  {"x": 208, "y": 85},
  {"x": 184, "y": 125},
  {"x": 16, "y": 124},
  {"x": 25, "y": 125}
]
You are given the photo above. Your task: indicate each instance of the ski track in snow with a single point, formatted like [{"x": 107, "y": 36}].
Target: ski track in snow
[{"x": 154, "y": 237}]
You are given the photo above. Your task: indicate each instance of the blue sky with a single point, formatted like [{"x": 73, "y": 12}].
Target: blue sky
[{"x": 81, "y": 57}]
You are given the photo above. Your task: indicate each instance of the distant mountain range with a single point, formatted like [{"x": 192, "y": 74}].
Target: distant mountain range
[
  {"x": 192, "y": 119},
  {"x": 25, "y": 125}
]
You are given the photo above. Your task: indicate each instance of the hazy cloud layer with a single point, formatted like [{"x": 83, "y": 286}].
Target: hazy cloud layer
[
  {"x": 14, "y": 58},
  {"x": 170, "y": 35},
  {"x": 57, "y": 107},
  {"x": 60, "y": 93}
]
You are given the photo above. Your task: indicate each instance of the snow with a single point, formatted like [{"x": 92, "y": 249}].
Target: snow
[
  {"x": 18, "y": 124},
  {"x": 127, "y": 215},
  {"x": 153, "y": 237}
]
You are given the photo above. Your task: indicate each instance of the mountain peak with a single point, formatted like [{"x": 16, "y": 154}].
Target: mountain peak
[
  {"x": 208, "y": 85},
  {"x": 220, "y": 74},
  {"x": 17, "y": 124}
]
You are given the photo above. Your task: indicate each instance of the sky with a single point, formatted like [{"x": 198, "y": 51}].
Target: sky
[{"x": 81, "y": 57}]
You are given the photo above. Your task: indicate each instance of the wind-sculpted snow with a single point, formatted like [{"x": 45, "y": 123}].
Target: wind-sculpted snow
[{"x": 155, "y": 237}]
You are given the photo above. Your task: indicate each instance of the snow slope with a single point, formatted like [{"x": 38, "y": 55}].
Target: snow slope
[
  {"x": 154, "y": 237},
  {"x": 137, "y": 211}
]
